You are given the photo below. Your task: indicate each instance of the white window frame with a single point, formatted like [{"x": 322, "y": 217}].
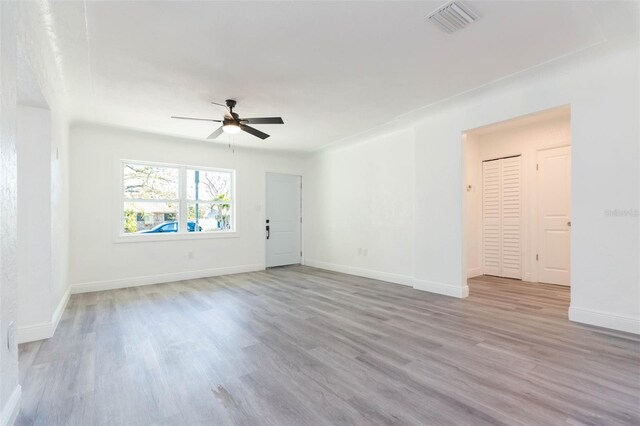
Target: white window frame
[{"x": 182, "y": 202}]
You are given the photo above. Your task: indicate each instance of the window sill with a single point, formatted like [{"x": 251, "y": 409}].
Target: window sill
[{"x": 147, "y": 238}]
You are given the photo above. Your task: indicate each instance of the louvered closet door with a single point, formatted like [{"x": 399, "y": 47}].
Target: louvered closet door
[
  {"x": 510, "y": 215},
  {"x": 501, "y": 217},
  {"x": 491, "y": 241}
]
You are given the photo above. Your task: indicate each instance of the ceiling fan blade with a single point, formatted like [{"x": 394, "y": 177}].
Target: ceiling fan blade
[
  {"x": 216, "y": 133},
  {"x": 254, "y": 132},
  {"x": 222, "y": 105},
  {"x": 199, "y": 119},
  {"x": 263, "y": 120}
]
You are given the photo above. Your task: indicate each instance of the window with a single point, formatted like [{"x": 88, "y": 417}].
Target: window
[
  {"x": 209, "y": 199},
  {"x": 165, "y": 199}
]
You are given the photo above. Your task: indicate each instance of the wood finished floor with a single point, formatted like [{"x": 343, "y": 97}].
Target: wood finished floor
[{"x": 303, "y": 346}]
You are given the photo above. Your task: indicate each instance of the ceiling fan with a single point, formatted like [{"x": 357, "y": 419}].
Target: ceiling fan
[{"x": 233, "y": 124}]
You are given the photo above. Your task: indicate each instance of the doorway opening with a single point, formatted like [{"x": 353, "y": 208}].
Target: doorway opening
[{"x": 518, "y": 199}]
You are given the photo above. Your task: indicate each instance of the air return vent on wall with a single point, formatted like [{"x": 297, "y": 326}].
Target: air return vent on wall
[{"x": 453, "y": 16}]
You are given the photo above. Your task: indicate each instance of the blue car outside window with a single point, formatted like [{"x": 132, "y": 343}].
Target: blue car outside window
[{"x": 171, "y": 227}]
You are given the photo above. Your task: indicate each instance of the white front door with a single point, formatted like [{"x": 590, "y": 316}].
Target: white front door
[
  {"x": 283, "y": 219},
  {"x": 554, "y": 215}
]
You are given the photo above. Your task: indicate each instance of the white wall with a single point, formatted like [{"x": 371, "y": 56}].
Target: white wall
[
  {"x": 99, "y": 262},
  {"x": 60, "y": 214},
  {"x": 358, "y": 201},
  {"x": 601, "y": 86},
  {"x": 48, "y": 73},
  {"x": 522, "y": 137},
  {"x": 9, "y": 387},
  {"x": 34, "y": 222},
  {"x": 473, "y": 195}
]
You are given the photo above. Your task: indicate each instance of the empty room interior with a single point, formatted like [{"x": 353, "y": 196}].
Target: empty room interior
[{"x": 319, "y": 212}]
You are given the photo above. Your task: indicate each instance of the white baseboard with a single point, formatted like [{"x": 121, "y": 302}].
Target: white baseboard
[
  {"x": 44, "y": 330},
  {"x": 474, "y": 272},
  {"x": 161, "y": 278},
  {"x": 11, "y": 408},
  {"x": 57, "y": 314},
  {"x": 33, "y": 332},
  {"x": 605, "y": 319},
  {"x": 430, "y": 286},
  {"x": 440, "y": 288},
  {"x": 362, "y": 272}
]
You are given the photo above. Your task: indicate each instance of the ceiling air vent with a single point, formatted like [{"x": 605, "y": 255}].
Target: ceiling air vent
[{"x": 453, "y": 16}]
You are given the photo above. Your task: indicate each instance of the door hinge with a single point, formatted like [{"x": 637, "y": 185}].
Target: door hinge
[
  {"x": 300, "y": 253},
  {"x": 536, "y": 257},
  {"x": 536, "y": 166},
  {"x": 300, "y": 219}
]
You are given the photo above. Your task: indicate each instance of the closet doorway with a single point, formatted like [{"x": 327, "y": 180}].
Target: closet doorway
[{"x": 518, "y": 198}]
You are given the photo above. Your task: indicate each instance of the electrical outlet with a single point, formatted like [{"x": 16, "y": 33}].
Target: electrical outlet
[{"x": 190, "y": 255}]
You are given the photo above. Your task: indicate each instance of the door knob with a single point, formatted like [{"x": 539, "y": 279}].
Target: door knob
[{"x": 569, "y": 224}]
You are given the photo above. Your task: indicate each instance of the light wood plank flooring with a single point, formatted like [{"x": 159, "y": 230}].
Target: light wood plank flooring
[{"x": 303, "y": 346}]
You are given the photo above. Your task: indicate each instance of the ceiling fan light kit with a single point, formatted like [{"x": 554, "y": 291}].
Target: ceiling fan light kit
[
  {"x": 233, "y": 124},
  {"x": 231, "y": 128}
]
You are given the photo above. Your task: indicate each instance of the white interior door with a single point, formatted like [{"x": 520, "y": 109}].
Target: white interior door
[
  {"x": 554, "y": 215},
  {"x": 502, "y": 217},
  {"x": 283, "y": 219}
]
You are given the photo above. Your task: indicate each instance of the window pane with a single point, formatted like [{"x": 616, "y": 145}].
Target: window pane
[
  {"x": 150, "y": 217},
  {"x": 150, "y": 182},
  {"x": 209, "y": 185},
  {"x": 210, "y": 217}
]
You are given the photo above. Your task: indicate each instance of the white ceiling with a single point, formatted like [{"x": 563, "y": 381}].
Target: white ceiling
[{"x": 330, "y": 69}]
